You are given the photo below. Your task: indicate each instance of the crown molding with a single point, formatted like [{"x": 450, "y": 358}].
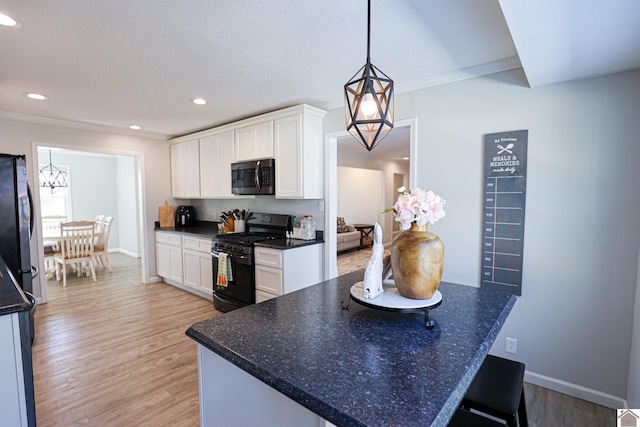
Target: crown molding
[
  {"x": 449, "y": 77},
  {"x": 80, "y": 125}
]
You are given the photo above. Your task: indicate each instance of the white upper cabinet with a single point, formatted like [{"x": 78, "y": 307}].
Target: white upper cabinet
[
  {"x": 216, "y": 156},
  {"x": 298, "y": 152},
  {"x": 201, "y": 162},
  {"x": 185, "y": 169},
  {"x": 254, "y": 142}
]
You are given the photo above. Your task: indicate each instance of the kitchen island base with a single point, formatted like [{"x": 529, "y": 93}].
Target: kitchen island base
[{"x": 231, "y": 397}]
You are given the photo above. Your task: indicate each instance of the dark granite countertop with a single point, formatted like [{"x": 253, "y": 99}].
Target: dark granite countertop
[
  {"x": 210, "y": 229},
  {"x": 205, "y": 229},
  {"x": 12, "y": 299},
  {"x": 283, "y": 244},
  {"x": 361, "y": 366}
]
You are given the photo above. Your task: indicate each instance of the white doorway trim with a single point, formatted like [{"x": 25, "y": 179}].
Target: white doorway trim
[
  {"x": 331, "y": 188},
  {"x": 140, "y": 200}
]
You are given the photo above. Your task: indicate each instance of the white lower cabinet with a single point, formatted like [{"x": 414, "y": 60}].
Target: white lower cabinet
[
  {"x": 185, "y": 262},
  {"x": 198, "y": 265},
  {"x": 169, "y": 255},
  {"x": 279, "y": 272}
]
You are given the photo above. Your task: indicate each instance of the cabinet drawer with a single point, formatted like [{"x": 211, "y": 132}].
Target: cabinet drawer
[
  {"x": 196, "y": 244},
  {"x": 270, "y": 257},
  {"x": 263, "y": 296},
  {"x": 172, "y": 239},
  {"x": 269, "y": 279}
]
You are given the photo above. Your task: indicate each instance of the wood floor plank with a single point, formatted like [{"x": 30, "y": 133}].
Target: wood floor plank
[{"x": 114, "y": 352}]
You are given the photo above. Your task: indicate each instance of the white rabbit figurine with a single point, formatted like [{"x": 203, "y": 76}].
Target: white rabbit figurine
[{"x": 372, "y": 285}]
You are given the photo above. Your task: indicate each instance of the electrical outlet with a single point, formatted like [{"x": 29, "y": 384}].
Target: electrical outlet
[
  {"x": 321, "y": 205},
  {"x": 512, "y": 345}
]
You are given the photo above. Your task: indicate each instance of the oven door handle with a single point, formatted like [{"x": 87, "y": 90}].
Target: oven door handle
[{"x": 239, "y": 257}]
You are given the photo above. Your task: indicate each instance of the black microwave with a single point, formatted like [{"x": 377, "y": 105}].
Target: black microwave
[{"x": 254, "y": 177}]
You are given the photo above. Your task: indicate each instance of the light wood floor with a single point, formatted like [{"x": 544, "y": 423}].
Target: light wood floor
[
  {"x": 114, "y": 352},
  {"x": 545, "y": 408}
]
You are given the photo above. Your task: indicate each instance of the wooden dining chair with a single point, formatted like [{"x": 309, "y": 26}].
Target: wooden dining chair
[
  {"x": 101, "y": 249},
  {"x": 99, "y": 223},
  {"x": 76, "y": 248}
]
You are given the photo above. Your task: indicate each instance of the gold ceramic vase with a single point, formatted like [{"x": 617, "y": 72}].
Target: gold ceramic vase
[{"x": 417, "y": 262}]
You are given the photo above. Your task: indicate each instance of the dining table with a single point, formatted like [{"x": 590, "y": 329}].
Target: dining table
[{"x": 318, "y": 357}]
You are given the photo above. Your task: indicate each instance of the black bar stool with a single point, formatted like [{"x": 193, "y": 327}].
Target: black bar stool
[
  {"x": 464, "y": 418},
  {"x": 497, "y": 390}
]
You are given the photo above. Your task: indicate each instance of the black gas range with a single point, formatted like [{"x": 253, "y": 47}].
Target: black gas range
[{"x": 236, "y": 250}]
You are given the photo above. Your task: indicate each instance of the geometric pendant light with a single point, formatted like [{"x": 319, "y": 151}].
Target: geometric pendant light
[
  {"x": 52, "y": 177},
  {"x": 369, "y": 101}
]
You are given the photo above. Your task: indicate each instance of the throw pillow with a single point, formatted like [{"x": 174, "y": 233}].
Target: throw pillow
[{"x": 341, "y": 227}]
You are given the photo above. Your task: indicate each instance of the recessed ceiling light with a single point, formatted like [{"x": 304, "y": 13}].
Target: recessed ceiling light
[
  {"x": 199, "y": 101},
  {"x": 405, "y": 158},
  {"x": 8, "y": 21},
  {"x": 135, "y": 127},
  {"x": 36, "y": 96}
]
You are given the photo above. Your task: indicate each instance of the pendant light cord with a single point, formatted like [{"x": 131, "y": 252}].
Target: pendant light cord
[{"x": 368, "y": 30}]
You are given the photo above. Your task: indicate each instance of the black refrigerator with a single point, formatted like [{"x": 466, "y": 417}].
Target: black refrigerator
[{"x": 16, "y": 225}]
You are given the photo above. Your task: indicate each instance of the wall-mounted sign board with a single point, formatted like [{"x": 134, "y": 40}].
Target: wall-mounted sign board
[{"x": 505, "y": 190}]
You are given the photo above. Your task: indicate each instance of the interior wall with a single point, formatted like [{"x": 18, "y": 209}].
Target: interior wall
[
  {"x": 633, "y": 392},
  {"x": 574, "y": 319},
  {"x": 127, "y": 213},
  {"x": 388, "y": 168},
  {"x": 360, "y": 195},
  {"x": 18, "y": 137},
  {"x": 92, "y": 184}
]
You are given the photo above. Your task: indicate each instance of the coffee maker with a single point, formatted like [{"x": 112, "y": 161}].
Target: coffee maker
[{"x": 185, "y": 216}]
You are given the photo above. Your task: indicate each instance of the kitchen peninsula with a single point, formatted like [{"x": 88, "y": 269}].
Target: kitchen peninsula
[{"x": 301, "y": 359}]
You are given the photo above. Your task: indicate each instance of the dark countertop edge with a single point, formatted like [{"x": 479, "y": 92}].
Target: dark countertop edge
[
  {"x": 452, "y": 404},
  {"x": 13, "y": 298},
  {"x": 284, "y": 244},
  {"x": 333, "y": 414},
  {"x": 315, "y": 405}
]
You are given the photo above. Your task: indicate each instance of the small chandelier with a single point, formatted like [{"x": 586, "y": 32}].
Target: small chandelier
[
  {"x": 52, "y": 177},
  {"x": 369, "y": 101}
]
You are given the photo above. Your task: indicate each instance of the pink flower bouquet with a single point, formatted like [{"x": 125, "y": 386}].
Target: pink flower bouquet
[{"x": 418, "y": 206}]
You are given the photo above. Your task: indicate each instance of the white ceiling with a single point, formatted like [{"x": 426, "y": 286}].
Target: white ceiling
[{"x": 122, "y": 62}]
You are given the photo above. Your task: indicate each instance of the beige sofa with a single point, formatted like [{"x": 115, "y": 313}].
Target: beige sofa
[{"x": 349, "y": 239}]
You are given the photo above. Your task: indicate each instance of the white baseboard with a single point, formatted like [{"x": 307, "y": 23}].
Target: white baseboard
[
  {"x": 575, "y": 390},
  {"x": 126, "y": 252}
]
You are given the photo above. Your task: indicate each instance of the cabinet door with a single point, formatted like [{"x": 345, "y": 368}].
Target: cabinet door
[
  {"x": 175, "y": 263},
  {"x": 185, "y": 169},
  {"x": 216, "y": 156},
  {"x": 269, "y": 279},
  {"x": 162, "y": 260},
  {"x": 191, "y": 264},
  {"x": 206, "y": 273},
  {"x": 298, "y": 153},
  {"x": 263, "y": 142},
  {"x": 254, "y": 142},
  {"x": 177, "y": 171},
  {"x": 288, "y": 156}
]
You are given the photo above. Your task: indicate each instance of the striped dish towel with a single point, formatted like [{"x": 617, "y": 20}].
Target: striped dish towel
[{"x": 224, "y": 270}]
